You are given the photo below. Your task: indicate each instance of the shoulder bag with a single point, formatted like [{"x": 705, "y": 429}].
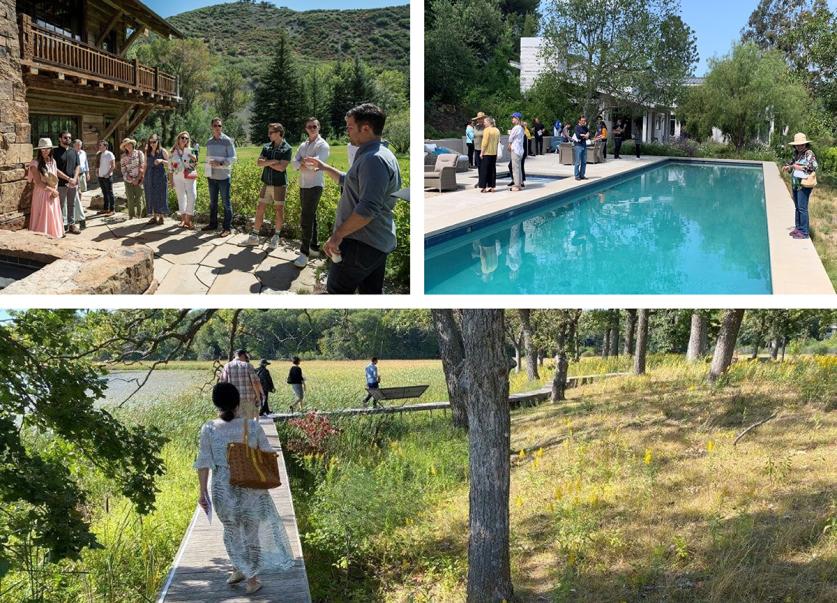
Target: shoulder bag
[{"x": 252, "y": 467}]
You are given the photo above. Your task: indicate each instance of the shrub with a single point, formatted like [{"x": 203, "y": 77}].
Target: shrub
[{"x": 827, "y": 160}]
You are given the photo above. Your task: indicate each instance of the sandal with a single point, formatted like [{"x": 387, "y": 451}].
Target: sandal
[
  {"x": 224, "y": 233},
  {"x": 252, "y": 588}
]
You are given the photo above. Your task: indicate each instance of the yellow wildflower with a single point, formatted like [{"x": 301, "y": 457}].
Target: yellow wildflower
[
  {"x": 518, "y": 501},
  {"x": 522, "y": 454},
  {"x": 710, "y": 446},
  {"x": 649, "y": 456}
]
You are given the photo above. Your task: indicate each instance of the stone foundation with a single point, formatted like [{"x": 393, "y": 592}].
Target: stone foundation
[
  {"x": 78, "y": 266},
  {"x": 15, "y": 146}
]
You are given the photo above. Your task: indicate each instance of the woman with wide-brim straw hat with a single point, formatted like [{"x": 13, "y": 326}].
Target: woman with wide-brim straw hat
[
  {"x": 132, "y": 164},
  {"x": 45, "y": 214},
  {"x": 803, "y": 169}
]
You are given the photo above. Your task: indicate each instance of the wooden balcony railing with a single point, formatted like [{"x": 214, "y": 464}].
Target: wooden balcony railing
[{"x": 42, "y": 47}]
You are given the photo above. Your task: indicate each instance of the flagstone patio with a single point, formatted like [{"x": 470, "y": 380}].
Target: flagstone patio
[{"x": 202, "y": 263}]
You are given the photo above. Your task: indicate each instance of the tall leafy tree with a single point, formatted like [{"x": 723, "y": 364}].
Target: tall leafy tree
[
  {"x": 742, "y": 93},
  {"x": 353, "y": 85},
  {"x": 594, "y": 43},
  {"x": 279, "y": 95}
]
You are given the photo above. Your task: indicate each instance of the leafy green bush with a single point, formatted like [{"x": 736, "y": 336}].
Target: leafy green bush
[{"x": 827, "y": 159}]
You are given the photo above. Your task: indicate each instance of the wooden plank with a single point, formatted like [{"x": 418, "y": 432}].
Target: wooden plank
[{"x": 201, "y": 567}]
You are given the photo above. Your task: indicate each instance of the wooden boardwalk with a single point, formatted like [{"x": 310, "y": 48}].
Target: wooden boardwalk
[
  {"x": 531, "y": 398},
  {"x": 201, "y": 567}
]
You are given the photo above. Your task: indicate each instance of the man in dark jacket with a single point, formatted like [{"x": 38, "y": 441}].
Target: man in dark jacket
[{"x": 267, "y": 385}]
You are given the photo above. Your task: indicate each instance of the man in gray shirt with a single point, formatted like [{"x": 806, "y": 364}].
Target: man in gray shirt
[{"x": 364, "y": 229}]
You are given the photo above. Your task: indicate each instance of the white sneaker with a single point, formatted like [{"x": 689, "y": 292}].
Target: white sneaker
[
  {"x": 314, "y": 253},
  {"x": 301, "y": 261},
  {"x": 274, "y": 241},
  {"x": 250, "y": 241}
]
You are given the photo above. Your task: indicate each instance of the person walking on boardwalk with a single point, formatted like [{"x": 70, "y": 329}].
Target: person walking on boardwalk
[
  {"x": 220, "y": 155},
  {"x": 266, "y": 382},
  {"x": 274, "y": 160},
  {"x": 132, "y": 164},
  {"x": 254, "y": 537},
  {"x": 184, "y": 178},
  {"x": 155, "y": 182},
  {"x": 364, "y": 227},
  {"x": 803, "y": 168},
  {"x": 373, "y": 382},
  {"x": 580, "y": 137},
  {"x": 311, "y": 184},
  {"x": 45, "y": 216},
  {"x": 240, "y": 373},
  {"x": 297, "y": 383}
]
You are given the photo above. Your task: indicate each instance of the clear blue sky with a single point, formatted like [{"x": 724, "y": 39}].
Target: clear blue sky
[
  {"x": 718, "y": 23},
  {"x": 166, "y": 8}
]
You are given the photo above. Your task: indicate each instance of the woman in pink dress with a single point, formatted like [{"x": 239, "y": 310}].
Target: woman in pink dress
[{"x": 45, "y": 215}]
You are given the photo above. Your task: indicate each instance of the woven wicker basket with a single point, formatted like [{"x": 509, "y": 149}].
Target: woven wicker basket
[{"x": 252, "y": 467}]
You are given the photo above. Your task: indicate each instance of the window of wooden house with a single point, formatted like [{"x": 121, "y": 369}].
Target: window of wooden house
[
  {"x": 63, "y": 17},
  {"x": 51, "y": 126}
]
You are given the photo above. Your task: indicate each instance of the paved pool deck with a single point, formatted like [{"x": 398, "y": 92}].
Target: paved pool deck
[{"x": 795, "y": 266}]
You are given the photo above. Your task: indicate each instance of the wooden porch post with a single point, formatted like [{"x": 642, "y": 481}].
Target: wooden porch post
[{"x": 27, "y": 50}]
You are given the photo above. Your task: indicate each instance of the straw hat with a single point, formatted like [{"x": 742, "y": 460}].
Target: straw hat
[
  {"x": 126, "y": 142},
  {"x": 798, "y": 139},
  {"x": 44, "y": 143},
  {"x": 480, "y": 115}
]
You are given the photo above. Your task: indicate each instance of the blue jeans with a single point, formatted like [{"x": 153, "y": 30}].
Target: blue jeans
[
  {"x": 222, "y": 186},
  {"x": 580, "y": 163},
  {"x": 801, "y": 196}
]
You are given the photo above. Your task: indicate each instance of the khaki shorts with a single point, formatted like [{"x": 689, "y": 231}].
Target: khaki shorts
[{"x": 275, "y": 194}]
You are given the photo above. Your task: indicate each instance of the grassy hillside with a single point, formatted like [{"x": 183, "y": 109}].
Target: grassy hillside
[{"x": 242, "y": 32}]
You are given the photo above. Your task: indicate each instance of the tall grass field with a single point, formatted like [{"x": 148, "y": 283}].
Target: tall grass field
[{"x": 632, "y": 489}]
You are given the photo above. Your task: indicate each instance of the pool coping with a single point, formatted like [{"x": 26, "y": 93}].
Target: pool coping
[{"x": 795, "y": 265}]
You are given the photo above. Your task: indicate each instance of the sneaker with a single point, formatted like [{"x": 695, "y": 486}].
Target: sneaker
[
  {"x": 274, "y": 241},
  {"x": 250, "y": 241},
  {"x": 799, "y": 235},
  {"x": 301, "y": 261},
  {"x": 224, "y": 233},
  {"x": 314, "y": 253},
  {"x": 235, "y": 577}
]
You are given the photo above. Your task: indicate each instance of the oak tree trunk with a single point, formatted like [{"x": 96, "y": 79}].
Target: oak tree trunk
[
  {"x": 486, "y": 388},
  {"x": 606, "y": 343},
  {"x": 696, "y": 336},
  {"x": 630, "y": 329},
  {"x": 559, "y": 381},
  {"x": 452, "y": 353},
  {"x": 641, "y": 343},
  {"x": 529, "y": 345},
  {"x": 725, "y": 346}
]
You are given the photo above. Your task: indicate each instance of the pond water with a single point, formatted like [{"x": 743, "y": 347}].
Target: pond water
[{"x": 161, "y": 385}]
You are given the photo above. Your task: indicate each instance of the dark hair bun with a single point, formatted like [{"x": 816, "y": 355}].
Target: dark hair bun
[{"x": 225, "y": 397}]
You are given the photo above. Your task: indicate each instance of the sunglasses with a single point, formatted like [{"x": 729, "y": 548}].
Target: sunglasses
[
  {"x": 184, "y": 138},
  {"x": 152, "y": 142},
  {"x": 216, "y": 125},
  {"x": 312, "y": 127}
]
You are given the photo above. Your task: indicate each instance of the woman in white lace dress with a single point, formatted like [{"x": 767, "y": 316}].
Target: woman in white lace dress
[{"x": 253, "y": 533}]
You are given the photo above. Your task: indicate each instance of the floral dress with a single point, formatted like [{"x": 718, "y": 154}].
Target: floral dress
[{"x": 254, "y": 536}]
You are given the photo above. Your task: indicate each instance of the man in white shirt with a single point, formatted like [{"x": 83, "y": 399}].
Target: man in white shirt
[
  {"x": 84, "y": 167},
  {"x": 310, "y": 189},
  {"x": 516, "y": 141},
  {"x": 107, "y": 161}
]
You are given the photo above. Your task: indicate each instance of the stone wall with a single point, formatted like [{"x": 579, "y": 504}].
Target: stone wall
[{"x": 15, "y": 146}]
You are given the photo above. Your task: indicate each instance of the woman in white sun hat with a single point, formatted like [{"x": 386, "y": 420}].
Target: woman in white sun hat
[
  {"x": 45, "y": 215},
  {"x": 803, "y": 168}
]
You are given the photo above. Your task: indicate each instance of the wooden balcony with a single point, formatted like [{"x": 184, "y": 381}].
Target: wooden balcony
[{"x": 43, "y": 50}]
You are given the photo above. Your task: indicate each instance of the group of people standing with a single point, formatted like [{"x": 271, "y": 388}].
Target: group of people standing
[{"x": 364, "y": 231}]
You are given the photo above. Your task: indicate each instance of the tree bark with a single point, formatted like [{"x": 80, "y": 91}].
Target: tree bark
[
  {"x": 725, "y": 346},
  {"x": 774, "y": 349},
  {"x": 559, "y": 381},
  {"x": 641, "y": 343},
  {"x": 696, "y": 336},
  {"x": 630, "y": 329},
  {"x": 614, "y": 338},
  {"x": 451, "y": 350},
  {"x": 606, "y": 343},
  {"x": 486, "y": 386},
  {"x": 529, "y": 345}
]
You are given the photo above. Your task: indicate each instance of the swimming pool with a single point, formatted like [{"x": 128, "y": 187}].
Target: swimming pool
[{"x": 672, "y": 228}]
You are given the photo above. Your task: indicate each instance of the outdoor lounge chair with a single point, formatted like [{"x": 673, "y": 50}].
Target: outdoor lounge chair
[{"x": 442, "y": 175}]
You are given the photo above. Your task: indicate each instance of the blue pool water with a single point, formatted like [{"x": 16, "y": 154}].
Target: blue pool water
[{"x": 675, "y": 228}]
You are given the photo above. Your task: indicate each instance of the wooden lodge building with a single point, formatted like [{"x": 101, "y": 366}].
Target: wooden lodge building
[{"x": 63, "y": 67}]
